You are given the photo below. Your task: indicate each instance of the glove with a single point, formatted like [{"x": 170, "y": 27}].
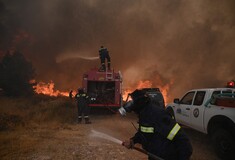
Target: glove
[{"x": 129, "y": 144}]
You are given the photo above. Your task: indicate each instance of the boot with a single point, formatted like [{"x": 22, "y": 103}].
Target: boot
[
  {"x": 102, "y": 68},
  {"x": 87, "y": 121},
  {"x": 79, "y": 120}
]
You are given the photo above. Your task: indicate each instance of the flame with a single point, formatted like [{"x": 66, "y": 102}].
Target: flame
[
  {"x": 48, "y": 89},
  {"x": 32, "y": 81},
  {"x": 148, "y": 84}
]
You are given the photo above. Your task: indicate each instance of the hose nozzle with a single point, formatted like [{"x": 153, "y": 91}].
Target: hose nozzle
[{"x": 122, "y": 111}]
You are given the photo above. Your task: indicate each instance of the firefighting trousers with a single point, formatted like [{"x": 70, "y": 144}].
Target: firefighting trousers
[
  {"x": 83, "y": 110},
  {"x": 102, "y": 59}
]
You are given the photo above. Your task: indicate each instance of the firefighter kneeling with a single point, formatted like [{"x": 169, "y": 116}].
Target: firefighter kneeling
[{"x": 158, "y": 133}]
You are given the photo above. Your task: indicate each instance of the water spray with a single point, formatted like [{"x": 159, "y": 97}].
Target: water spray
[
  {"x": 64, "y": 57},
  {"x": 105, "y": 136},
  {"x": 115, "y": 140}
]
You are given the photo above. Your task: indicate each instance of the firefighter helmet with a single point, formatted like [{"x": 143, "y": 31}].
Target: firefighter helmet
[
  {"x": 140, "y": 99},
  {"x": 80, "y": 90}
]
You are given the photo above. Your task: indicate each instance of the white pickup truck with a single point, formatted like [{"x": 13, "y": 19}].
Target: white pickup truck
[{"x": 211, "y": 111}]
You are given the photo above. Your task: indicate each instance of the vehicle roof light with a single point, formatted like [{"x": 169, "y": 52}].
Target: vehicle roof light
[{"x": 231, "y": 84}]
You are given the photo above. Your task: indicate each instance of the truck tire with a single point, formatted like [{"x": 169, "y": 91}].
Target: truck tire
[
  {"x": 224, "y": 144},
  {"x": 171, "y": 112}
]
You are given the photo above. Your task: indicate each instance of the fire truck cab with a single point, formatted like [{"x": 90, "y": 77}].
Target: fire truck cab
[{"x": 104, "y": 88}]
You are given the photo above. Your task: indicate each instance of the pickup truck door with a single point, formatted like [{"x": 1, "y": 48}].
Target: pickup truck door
[
  {"x": 197, "y": 111},
  {"x": 183, "y": 109}
]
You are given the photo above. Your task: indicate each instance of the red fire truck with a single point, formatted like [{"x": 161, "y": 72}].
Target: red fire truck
[{"x": 104, "y": 88}]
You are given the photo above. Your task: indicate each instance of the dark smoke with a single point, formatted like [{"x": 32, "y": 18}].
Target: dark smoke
[{"x": 191, "y": 43}]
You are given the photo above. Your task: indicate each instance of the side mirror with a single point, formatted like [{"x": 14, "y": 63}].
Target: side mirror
[{"x": 177, "y": 100}]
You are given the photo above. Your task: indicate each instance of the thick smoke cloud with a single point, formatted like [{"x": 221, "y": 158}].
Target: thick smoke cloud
[{"x": 189, "y": 44}]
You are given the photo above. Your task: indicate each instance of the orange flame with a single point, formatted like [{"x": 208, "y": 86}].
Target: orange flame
[
  {"x": 148, "y": 84},
  {"x": 48, "y": 89}
]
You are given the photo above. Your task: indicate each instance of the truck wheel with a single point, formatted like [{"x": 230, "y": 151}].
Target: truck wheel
[
  {"x": 171, "y": 112},
  {"x": 224, "y": 144}
]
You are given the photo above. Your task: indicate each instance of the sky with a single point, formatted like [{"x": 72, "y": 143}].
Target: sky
[{"x": 182, "y": 44}]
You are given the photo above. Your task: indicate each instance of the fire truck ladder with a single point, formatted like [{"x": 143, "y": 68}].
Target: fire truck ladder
[{"x": 109, "y": 75}]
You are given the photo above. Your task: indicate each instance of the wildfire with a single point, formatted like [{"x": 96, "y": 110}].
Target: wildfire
[
  {"x": 48, "y": 89},
  {"x": 148, "y": 84}
]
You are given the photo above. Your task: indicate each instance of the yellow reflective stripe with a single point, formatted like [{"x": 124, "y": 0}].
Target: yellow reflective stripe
[
  {"x": 83, "y": 95},
  {"x": 146, "y": 129},
  {"x": 174, "y": 131}
]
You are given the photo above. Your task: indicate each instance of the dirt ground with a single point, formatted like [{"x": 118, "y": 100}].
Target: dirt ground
[{"x": 47, "y": 130}]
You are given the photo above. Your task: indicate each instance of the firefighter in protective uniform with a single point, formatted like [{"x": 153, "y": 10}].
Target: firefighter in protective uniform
[
  {"x": 82, "y": 103},
  {"x": 158, "y": 133},
  {"x": 104, "y": 54}
]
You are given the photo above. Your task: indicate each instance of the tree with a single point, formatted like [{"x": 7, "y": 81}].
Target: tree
[{"x": 15, "y": 75}]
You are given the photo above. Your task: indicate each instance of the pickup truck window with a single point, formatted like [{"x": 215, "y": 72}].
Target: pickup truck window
[
  {"x": 227, "y": 92},
  {"x": 199, "y": 98},
  {"x": 188, "y": 98},
  {"x": 213, "y": 95},
  {"x": 219, "y": 92},
  {"x": 213, "y": 101}
]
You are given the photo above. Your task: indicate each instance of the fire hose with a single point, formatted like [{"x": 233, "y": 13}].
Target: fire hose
[
  {"x": 108, "y": 137},
  {"x": 147, "y": 153}
]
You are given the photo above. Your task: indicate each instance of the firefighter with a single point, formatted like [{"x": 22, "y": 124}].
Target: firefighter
[
  {"x": 158, "y": 133},
  {"x": 71, "y": 94},
  {"x": 104, "y": 54},
  {"x": 82, "y": 103}
]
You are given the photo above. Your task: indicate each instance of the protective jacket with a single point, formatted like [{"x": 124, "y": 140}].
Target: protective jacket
[
  {"x": 160, "y": 135},
  {"x": 103, "y": 52},
  {"x": 82, "y": 103}
]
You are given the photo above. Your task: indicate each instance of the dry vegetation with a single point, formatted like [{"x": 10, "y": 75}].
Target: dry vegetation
[{"x": 44, "y": 128}]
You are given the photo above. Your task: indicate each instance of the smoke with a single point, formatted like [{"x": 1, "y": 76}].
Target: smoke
[{"x": 189, "y": 44}]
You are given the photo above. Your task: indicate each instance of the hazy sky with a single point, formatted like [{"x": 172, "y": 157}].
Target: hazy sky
[{"x": 185, "y": 43}]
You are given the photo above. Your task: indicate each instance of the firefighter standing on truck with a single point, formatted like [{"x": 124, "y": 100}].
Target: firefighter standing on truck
[
  {"x": 104, "y": 54},
  {"x": 82, "y": 103},
  {"x": 158, "y": 133}
]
